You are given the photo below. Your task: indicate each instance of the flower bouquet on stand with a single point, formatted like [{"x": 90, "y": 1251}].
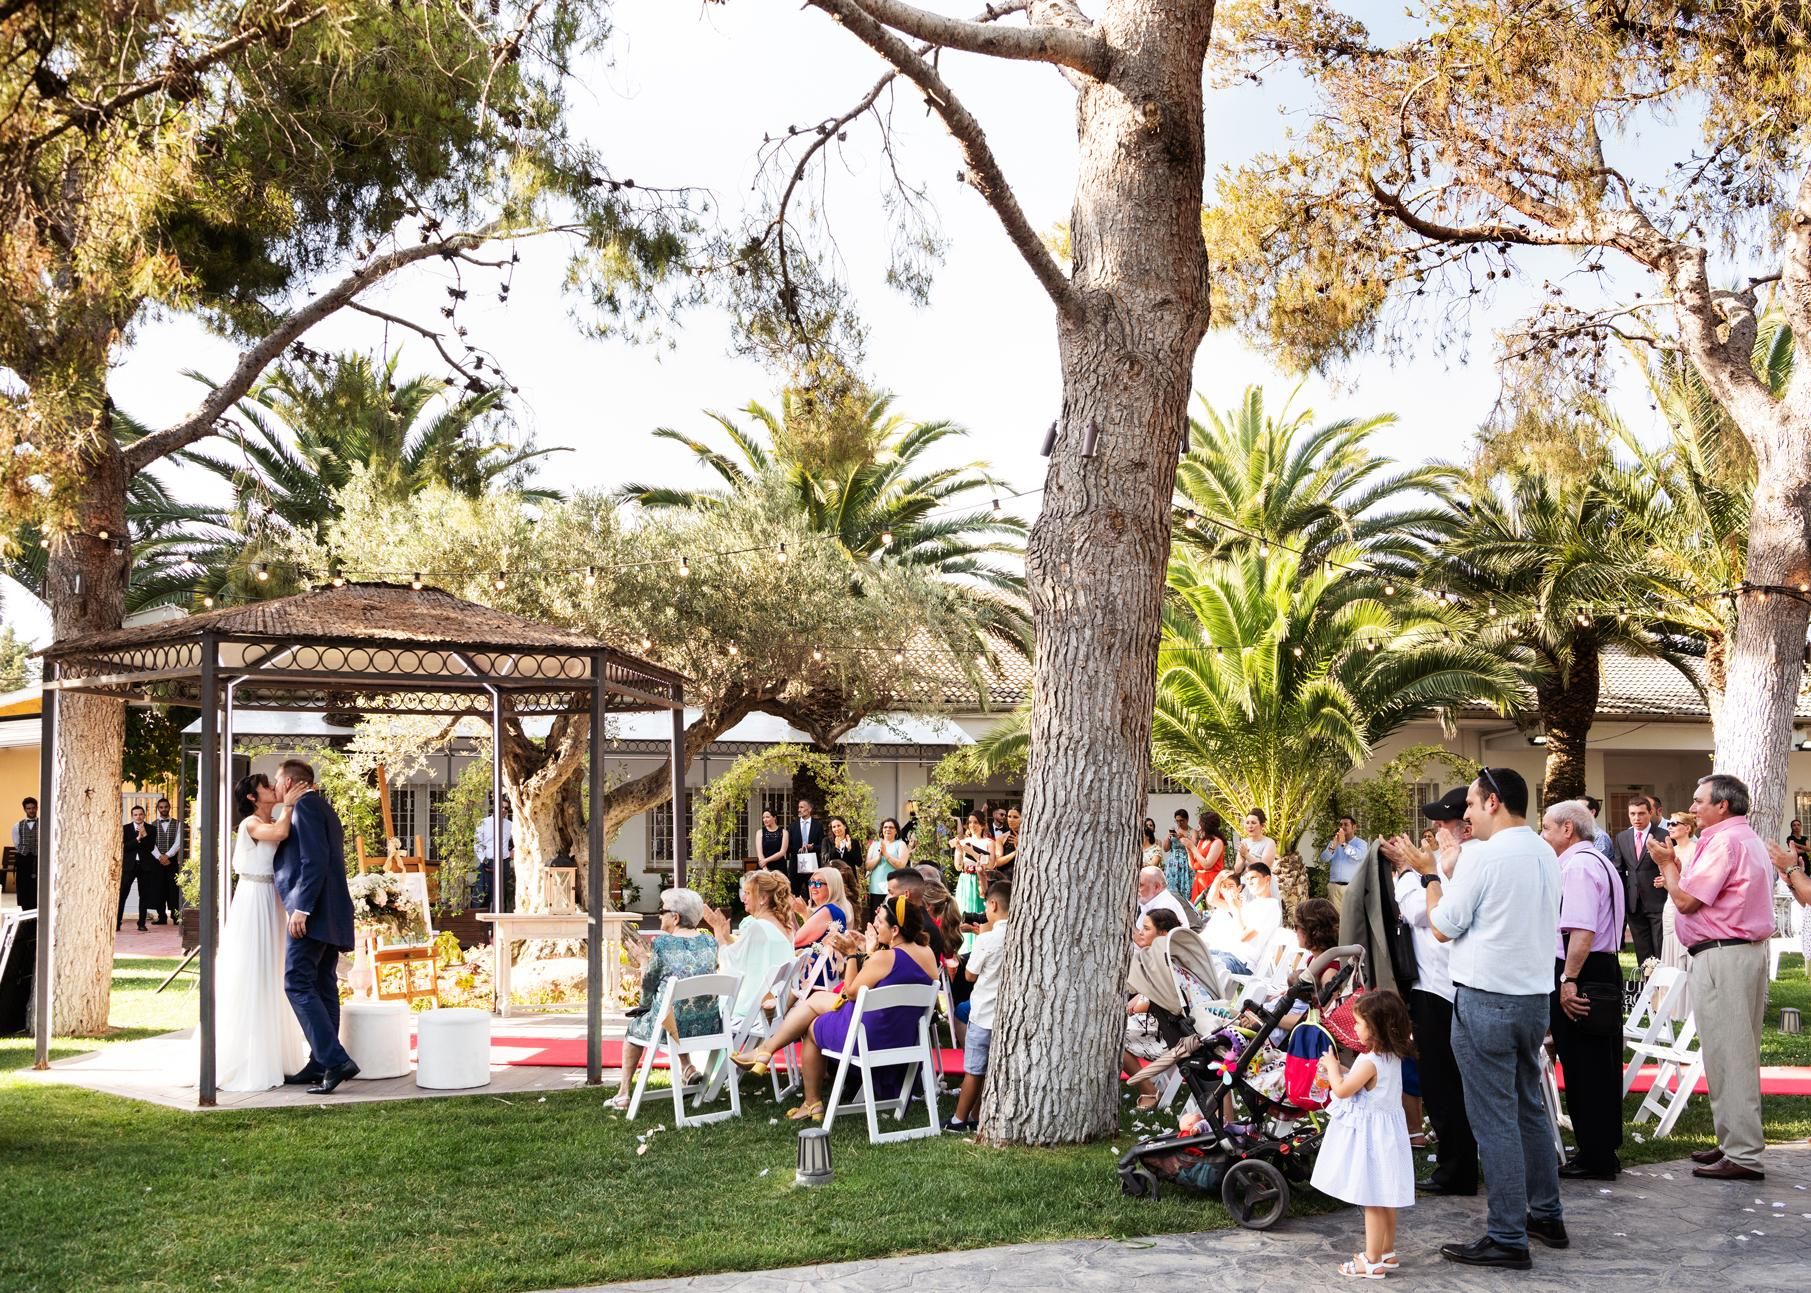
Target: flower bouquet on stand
[{"x": 383, "y": 909}]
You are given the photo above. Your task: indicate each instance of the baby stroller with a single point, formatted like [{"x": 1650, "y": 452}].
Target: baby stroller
[{"x": 1266, "y": 1143}]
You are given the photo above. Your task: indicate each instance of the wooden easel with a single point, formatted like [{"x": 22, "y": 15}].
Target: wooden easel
[{"x": 419, "y": 964}]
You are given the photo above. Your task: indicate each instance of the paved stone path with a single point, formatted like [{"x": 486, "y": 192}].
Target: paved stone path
[{"x": 1655, "y": 1229}]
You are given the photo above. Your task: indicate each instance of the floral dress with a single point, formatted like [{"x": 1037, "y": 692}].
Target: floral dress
[{"x": 678, "y": 956}]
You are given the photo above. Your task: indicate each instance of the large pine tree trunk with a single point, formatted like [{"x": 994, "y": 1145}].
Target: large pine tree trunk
[
  {"x": 1095, "y": 567},
  {"x": 1766, "y": 652},
  {"x": 86, "y": 591},
  {"x": 1567, "y": 709}
]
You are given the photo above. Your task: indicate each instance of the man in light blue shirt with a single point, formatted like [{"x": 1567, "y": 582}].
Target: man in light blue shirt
[
  {"x": 1501, "y": 915},
  {"x": 1342, "y": 857}
]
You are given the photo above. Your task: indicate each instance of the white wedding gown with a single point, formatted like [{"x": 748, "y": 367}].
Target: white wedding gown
[{"x": 258, "y": 1038}]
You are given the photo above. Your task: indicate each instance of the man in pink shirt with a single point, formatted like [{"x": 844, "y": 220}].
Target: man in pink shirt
[{"x": 1724, "y": 899}]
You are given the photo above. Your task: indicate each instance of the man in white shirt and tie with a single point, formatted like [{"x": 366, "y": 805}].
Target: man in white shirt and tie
[
  {"x": 486, "y": 848},
  {"x": 804, "y": 845},
  {"x": 1499, "y": 912}
]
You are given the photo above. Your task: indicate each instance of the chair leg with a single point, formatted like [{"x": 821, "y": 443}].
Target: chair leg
[
  {"x": 868, "y": 1105},
  {"x": 676, "y": 1075},
  {"x": 930, "y": 1100},
  {"x": 1688, "y": 1080},
  {"x": 836, "y": 1090},
  {"x": 641, "y": 1075}
]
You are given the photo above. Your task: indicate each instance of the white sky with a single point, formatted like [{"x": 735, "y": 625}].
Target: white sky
[{"x": 684, "y": 98}]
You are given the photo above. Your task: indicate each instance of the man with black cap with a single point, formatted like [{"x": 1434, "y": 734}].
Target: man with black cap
[{"x": 1431, "y": 1000}]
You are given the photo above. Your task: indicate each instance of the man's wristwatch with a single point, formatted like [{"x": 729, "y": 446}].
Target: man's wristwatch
[
  {"x": 1432, "y": 877},
  {"x": 1564, "y": 979}
]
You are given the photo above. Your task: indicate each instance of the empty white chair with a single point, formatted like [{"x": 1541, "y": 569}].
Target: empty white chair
[
  {"x": 1681, "y": 1066},
  {"x": 724, "y": 987},
  {"x": 918, "y": 1059}
]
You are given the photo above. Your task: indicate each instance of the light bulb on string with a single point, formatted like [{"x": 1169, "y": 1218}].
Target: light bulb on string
[
  {"x": 1296, "y": 652},
  {"x": 1804, "y": 587},
  {"x": 817, "y": 654},
  {"x": 998, "y": 512},
  {"x": 499, "y": 582},
  {"x": 1389, "y": 590},
  {"x": 685, "y": 568},
  {"x": 339, "y": 579},
  {"x": 262, "y": 571},
  {"x": 591, "y": 576},
  {"x": 733, "y": 649},
  {"x": 886, "y": 538},
  {"x": 1190, "y": 521},
  {"x": 647, "y": 644},
  {"x": 899, "y": 657},
  {"x": 104, "y": 534},
  {"x": 1264, "y": 548},
  {"x": 207, "y": 601},
  {"x": 415, "y": 581},
  {"x": 1493, "y": 610},
  {"x": 780, "y": 556}
]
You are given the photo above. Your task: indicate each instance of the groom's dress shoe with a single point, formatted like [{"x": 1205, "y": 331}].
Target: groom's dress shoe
[
  {"x": 331, "y": 1079},
  {"x": 307, "y": 1077}
]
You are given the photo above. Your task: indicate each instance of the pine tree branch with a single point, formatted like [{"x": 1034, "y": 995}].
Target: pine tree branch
[
  {"x": 983, "y": 168},
  {"x": 200, "y": 422},
  {"x": 1081, "y": 51}
]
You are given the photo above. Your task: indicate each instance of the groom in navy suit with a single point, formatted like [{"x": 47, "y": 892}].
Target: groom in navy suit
[{"x": 310, "y": 871}]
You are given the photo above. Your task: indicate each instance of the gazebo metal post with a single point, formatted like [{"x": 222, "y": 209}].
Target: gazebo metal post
[
  {"x": 594, "y": 886},
  {"x": 208, "y": 804},
  {"x": 678, "y": 757},
  {"x": 47, "y": 889},
  {"x": 496, "y": 799}
]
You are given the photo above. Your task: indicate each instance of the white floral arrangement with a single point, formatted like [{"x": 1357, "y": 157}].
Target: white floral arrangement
[{"x": 380, "y": 900}]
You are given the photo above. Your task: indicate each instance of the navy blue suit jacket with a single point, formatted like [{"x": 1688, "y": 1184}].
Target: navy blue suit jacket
[{"x": 310, "y": 871}]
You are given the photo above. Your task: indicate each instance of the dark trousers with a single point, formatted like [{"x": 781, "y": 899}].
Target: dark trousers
[
  {"x": 311, "y": 981},
  {"x": 1443, "y": 1093},
  {"x": 25, "y": 882},
  {"x": 1646, "y": 930},
  {"x": 164, "y": 897},
  {"x": 1592, "y": 1067},
  {"x": 129, "y": 873}
]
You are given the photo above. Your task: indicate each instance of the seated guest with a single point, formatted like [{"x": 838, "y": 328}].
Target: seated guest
[
  {"x": 1590, "y": 936},
  {"x": 1263, "y": 909},
  {"x": 827, "y": 912},
  {"x": 762, "y": 942},
  {"x": 1142, "y": 1044},
  {"x": 898, "y": 952},
  {"x": 1317, "y": 926},
  {"x": 1232, "y": 942},
  {"x": 1154, "y": 894},
  {"x": 983, "y": 974},
  {"x": 679, "y": 951}
]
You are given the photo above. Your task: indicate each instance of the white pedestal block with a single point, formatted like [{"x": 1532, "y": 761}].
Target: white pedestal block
[
  {"x": 376, "y": 1035},
  {"x": 452, "y": 1049}
]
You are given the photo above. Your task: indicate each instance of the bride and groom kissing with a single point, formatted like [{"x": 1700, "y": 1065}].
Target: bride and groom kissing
[{"x": 290, "y": 919}]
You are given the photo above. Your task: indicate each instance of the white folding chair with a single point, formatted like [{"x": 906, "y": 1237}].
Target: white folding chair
[
  {"x": 1681, "y": 1066},
  {"x": 918, "y": 1060},
  {"x": 757, "y": 1024},
  {"x": 1268, "y": 968},
  {"x": 1652, "y": 1019},
  {"x": 724, "y": 988},
  {"x": 1556, "y": 1117},
  {"x": 1788, "y": 924}
]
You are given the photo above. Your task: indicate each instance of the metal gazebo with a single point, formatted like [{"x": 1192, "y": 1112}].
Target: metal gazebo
[{"x": 357, "y": 647}]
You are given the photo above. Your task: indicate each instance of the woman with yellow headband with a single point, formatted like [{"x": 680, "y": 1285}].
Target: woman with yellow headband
[{"x": 897, "y": 951}]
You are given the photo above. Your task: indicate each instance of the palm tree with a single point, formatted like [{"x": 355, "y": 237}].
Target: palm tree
[
  {"x": 1547, "y": 561},
  {"x": 873, "y": 496},
  {"x": 1250, "y": 479},
  {"x": 1277, "y": 677}
]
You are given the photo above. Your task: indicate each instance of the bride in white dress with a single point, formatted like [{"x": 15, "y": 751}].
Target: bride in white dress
[{"x": 258, "y": 1038}]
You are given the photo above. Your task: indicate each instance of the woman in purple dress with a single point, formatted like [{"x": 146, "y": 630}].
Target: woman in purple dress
[{"x": 898, "y": 950}]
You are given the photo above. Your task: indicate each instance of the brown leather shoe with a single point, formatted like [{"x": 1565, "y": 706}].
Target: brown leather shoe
[
  {"x": 1707, "y": 1156},
  {"x": 1725, "y": 1170}
]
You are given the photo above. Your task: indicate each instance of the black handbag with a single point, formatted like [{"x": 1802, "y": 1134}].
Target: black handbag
[{"x": 1605, "y": 1000}]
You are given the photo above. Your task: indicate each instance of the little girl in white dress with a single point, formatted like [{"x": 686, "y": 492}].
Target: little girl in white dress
[{"x": 1365, "y": 1157}]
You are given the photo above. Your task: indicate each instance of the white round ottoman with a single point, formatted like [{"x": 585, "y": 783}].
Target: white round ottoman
[
  {"x": 452, "y": 1049},
  {"x": 376, "y": 1035}
]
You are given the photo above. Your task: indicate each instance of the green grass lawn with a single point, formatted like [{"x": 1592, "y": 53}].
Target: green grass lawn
[{"x": 484, "y": 1192}]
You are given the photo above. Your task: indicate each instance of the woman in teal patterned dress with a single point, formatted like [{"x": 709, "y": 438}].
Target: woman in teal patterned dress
[{"x": 680, "y": 950}]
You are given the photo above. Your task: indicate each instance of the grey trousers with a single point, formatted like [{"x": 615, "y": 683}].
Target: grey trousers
[
  {"x": 1497, "y": 1041},
  {"x": 1729, "y": 999}
]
